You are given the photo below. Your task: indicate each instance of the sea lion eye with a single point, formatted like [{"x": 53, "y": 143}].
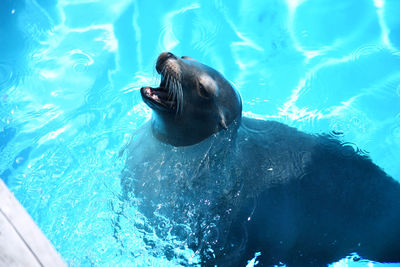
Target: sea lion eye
[{"x": 203, "y": 92}]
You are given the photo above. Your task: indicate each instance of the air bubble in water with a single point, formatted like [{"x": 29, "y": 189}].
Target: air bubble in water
[{"x": 19, "y": 160}]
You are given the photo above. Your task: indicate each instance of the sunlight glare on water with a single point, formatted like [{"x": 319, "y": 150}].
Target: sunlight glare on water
[{"x": 70, "y": 72}]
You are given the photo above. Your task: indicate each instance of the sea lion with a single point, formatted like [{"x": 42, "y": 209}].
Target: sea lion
[
  {"x": 192, "y": 102},
  {"x": 228, "y": 187}
]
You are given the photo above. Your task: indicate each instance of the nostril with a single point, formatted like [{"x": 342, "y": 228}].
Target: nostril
[
  {"x": 166, "y": 55},
  {"x": 170, "y": 55},
  {"x": 162, "y": 58}
]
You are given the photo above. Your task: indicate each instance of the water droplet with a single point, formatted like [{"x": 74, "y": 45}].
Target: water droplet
[
  {"x": 338, "y": 128},
  {"x": 337, "y": 133},
  {"x": 349, "y": 149}
]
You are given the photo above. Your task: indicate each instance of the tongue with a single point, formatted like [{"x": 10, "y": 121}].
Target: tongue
[{"x": 161, "y": 93}]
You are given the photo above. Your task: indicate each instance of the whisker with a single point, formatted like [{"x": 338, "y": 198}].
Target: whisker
[
  {"x": 179, "y": 98},
  {"x": 167, "y": 79},
  {"x": 162, "y": 72},
  {"x": 176, "y": 94},
  {"x": 167, "y": 83},
  {"x": 174, "y": 87},
  {"x": 170, "y": 90}
]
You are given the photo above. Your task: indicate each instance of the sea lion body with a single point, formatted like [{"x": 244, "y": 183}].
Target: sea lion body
[{"x": 261, "y": 186}]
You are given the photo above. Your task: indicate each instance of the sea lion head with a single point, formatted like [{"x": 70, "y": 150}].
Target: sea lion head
[{"x": 192, "y": 102}]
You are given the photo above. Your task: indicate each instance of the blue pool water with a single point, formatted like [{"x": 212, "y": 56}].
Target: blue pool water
[{"x": 70, "y": 71}]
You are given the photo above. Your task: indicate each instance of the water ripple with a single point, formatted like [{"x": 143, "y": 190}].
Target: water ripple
[
  {"x": 395, "y": 132},
  {"x": 7, "y": 76},
  {"x": 81, "y": 60},
  {"x": 398, "y": 90},
  {"x": 206, "y": 34},
  {"x": 365, "y": 50},
  {"x": 339, "y": 128},
  {"x": 168, "y": 39}
]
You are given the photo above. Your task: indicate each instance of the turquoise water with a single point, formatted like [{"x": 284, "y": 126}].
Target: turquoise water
[{"x": 70, "y": 71}]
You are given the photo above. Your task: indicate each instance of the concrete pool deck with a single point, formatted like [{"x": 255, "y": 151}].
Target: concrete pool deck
[{"x": 22, "y": 243}]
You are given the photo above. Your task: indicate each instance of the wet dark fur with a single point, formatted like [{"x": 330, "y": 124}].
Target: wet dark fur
[
  {"x": 300, "y": 199},
  {"x": 228, "y": 187}
]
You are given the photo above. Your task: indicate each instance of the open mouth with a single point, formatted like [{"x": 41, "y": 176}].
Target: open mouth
[
  {"x": 159, "y": 97},
  {"x": 168, "y": 95}
]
